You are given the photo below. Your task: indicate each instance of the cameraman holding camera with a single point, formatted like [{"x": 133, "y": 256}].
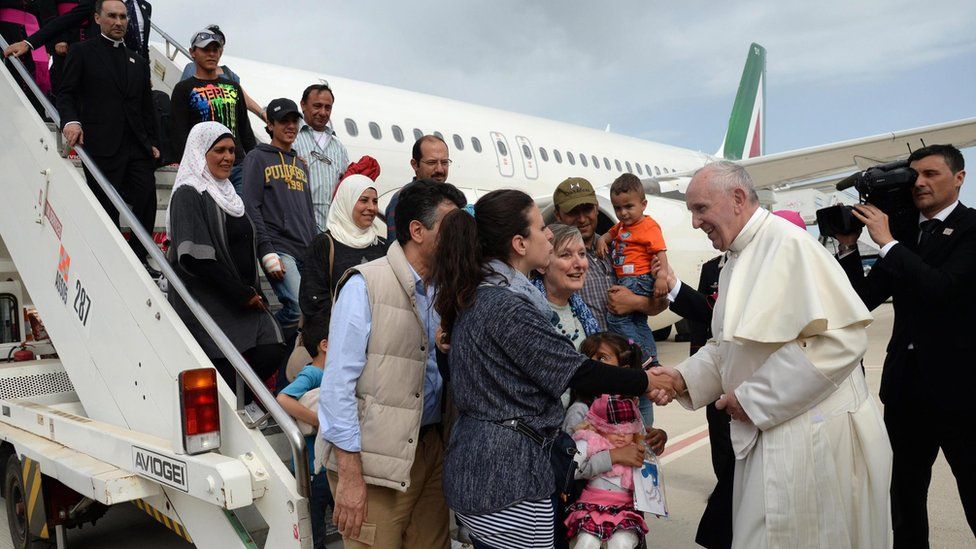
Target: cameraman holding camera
[{"x": 929, "y": 376}]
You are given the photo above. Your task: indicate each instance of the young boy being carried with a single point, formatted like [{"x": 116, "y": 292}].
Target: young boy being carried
[
  {"x": 636, "y": 240},
  {"x": 300, "y": 400}
]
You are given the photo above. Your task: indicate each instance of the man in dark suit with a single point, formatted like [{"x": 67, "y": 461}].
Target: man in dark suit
[
  {"x": 929, "y": 373},
  {"x": 106, "y": 105},
  {"x": 136, "y": 36}
]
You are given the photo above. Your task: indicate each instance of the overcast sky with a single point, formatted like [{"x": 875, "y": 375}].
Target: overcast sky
[{"x": 835, "y": 69}]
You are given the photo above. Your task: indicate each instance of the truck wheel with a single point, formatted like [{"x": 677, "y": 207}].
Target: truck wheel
[{"x": 16, "y": 500}]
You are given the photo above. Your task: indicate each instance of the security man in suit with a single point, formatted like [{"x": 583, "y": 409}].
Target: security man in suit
[
  {"x": 106, "y": 105},
  {"x": 136, "y": 35},
  {"x": 929, "y": 373}
]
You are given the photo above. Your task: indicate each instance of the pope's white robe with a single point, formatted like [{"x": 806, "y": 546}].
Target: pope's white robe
[{"x": 813, "y": 468}]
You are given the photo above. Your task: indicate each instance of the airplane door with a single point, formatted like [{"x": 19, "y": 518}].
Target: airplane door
[
  {"x": 529, "y": 165},
  {"x": 506, "y": 167}
]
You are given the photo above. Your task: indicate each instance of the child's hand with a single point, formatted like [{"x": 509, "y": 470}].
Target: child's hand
[
  {"x": 601, "y": 246},
  {"x": 656, "y": 439},
  {"x": 631, "y": 455},
  {"x": 660, "y": 287}
]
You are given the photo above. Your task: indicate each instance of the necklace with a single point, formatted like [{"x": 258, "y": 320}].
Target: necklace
[{"x": 563, "y": 331}]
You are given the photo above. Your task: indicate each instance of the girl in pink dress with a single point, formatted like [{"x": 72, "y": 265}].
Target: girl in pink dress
[{"x": 605, "y": 510}]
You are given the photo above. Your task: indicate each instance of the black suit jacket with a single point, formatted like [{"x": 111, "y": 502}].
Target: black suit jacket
[
  {"x": 696, "y": 306},
  {"x": 85, "y": 12},
  {"x": 92, "y": 93},
  {"x": 935, "y": 312}
]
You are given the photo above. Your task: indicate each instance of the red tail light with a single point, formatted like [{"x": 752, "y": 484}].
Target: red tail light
[{"x": 199, "y": 410}]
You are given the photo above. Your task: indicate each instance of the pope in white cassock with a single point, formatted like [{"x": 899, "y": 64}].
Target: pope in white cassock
[{"x": 813, "y": 460}]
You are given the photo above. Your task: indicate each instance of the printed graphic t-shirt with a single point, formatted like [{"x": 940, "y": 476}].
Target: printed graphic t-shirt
[{"x": 194, "y": 101}]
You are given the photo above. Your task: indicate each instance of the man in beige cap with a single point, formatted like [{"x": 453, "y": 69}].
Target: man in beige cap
[{"x": 575, "y": 203}]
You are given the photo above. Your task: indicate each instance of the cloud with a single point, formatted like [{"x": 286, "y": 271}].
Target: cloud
[{"x": 633, "y": 64}]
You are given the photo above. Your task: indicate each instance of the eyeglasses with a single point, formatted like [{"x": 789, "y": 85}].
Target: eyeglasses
[
  {"x": 433, "y": 163},
  {"x": 201, "y": 36}
]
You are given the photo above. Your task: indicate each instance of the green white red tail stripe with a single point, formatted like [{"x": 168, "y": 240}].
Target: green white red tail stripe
[{"x": 746, "y": 134}]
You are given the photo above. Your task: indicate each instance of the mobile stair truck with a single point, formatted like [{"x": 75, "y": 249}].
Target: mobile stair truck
[{"x": 131, "y": 410}]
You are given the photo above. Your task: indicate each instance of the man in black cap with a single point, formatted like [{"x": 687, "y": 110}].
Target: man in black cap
[
  {"x": 279, "y": 202},
  {"x": 205, "y": 97}
]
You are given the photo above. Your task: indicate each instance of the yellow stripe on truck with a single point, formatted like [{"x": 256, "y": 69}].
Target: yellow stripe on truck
[{"x": 163, "y": 519}]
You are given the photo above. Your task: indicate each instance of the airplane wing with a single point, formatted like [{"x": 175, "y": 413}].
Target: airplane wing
[
  {"x": 802, "y": 165},
  {"x": 824, "y": 165}
]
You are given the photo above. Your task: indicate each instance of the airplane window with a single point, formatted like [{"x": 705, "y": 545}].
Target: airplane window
[
  {"x": 458, "y": 142},
  {"x": 639, "y": 170},
  {"x": 583, "y": 160},
  {"x": 476, "y": 144},
  {"x": 417, "y": 134},
  {"x": 440, "y": 136},
  {"x": 543, "y": 154},
  {"x": 557, "y": 156},
  {"x": 502, "y": 149},
  {"x": 606, "y": 162},
  {"x": 647, "y": 168},
  {"x": 397, "y": 134},
  {"x": 351, "y": 127},
  {"x": 629, "y": 170},
  {"x": 571, "y": 158},
  {"x": 526, "y": 152},
  {"x": 617, "y": 163},
  {"x": 657, "y": 171},
  {"x": 596, "y": 162},
  {"x": 374, "y": 130}
]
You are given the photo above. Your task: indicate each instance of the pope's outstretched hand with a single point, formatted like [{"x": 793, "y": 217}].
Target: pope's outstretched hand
[{"x": 664, "y": 384}]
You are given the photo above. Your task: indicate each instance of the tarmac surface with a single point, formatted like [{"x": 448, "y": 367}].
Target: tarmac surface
[{"x": 686, "y": 466}]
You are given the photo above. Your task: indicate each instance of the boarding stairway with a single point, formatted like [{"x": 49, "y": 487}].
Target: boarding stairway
[{"x": 103, "y": 418}]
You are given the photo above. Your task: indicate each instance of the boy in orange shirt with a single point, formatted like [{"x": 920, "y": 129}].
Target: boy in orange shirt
[{"x": 636, "y": 240}]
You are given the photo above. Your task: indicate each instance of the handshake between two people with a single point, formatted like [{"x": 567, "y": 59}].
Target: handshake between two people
[{"x": 664, "y": 384}]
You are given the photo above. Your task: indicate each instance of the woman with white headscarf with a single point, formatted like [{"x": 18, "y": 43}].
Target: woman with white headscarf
[
  {"x": 353, "y": 235},
  {"x": 212, "y": 249}
]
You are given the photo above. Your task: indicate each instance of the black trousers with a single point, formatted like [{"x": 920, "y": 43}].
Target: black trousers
[
  {"x": 917, "y": 432},
  {"x": 715, "y": 527},
  {"x": 132, "y": 172}
]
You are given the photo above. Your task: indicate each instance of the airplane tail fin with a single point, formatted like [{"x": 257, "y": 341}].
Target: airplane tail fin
[{"x": 746, "y": 134}]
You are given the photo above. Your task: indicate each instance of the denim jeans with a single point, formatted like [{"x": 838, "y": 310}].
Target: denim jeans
[
  {"x": 646, "y": 408},
  {"x": 319, "y": 501},
  {"x": 287, "y": 291},
  {"x": 634, "y": 325}
]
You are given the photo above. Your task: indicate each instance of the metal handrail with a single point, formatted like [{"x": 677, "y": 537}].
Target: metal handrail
[
  {"x": 295, "y": 438},
  {"x": 170, "y": 41}
]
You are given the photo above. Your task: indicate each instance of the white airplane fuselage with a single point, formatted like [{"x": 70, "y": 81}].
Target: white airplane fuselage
[{"x": 509, "y": 156}]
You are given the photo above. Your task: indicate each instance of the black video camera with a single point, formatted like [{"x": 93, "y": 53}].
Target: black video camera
[{"x": 886, "y": 186}]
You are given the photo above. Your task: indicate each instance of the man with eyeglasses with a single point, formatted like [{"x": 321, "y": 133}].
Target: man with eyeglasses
[
  {"x": 430, "y": 161},
  {"x": 317, "y": 143},
  {"x": 206, "y": 97}
]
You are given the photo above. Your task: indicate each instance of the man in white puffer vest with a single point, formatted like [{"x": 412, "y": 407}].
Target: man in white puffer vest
[{"x": 380, "y": 400}]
